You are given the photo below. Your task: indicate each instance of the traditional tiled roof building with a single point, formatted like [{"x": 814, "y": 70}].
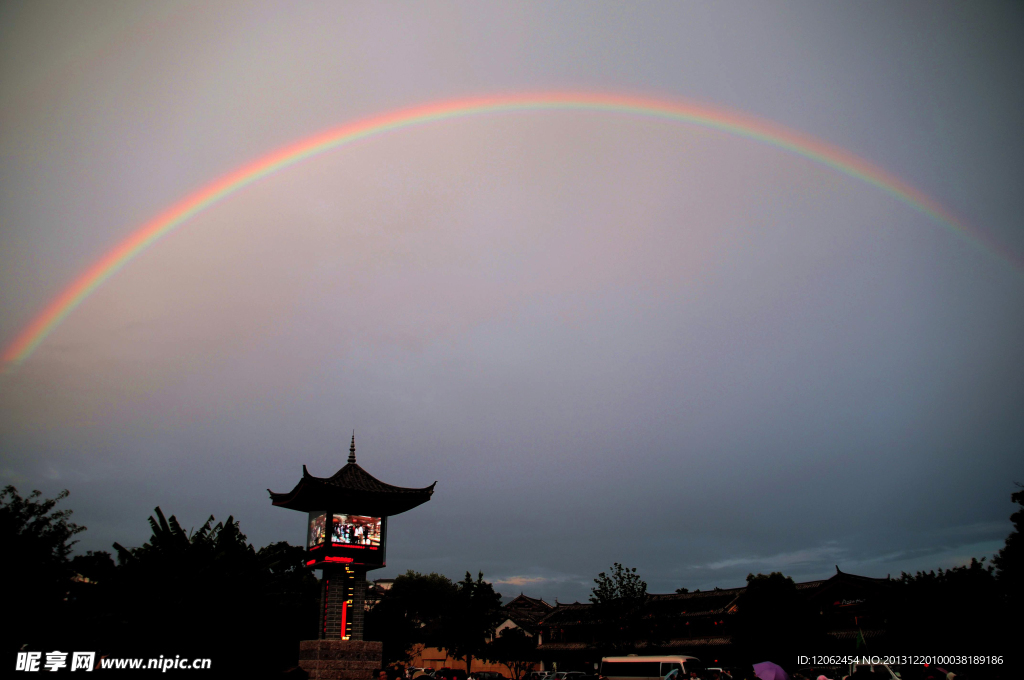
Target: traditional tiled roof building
[
  {"x": 524, "y": 612},
  {"x": 699, "y": 623}
]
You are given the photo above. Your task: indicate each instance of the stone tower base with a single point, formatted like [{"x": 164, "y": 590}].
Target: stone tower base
[{"x": 340, "y": 659}]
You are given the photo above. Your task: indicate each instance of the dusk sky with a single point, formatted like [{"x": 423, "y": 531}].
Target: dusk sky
[{"x": 609, "y": 337}]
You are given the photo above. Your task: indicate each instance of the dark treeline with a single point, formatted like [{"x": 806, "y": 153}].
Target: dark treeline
[
  {"x": 963, "y": 610},
  {"x": 208, "y": 593},
  {"x": 205, "y": 593},
  {"x": 432, "y": 610},
  {"x": 461, "y": 618}
]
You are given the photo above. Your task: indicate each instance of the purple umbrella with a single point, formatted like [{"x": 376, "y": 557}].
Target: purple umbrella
[{"x": 766, "y": 670}]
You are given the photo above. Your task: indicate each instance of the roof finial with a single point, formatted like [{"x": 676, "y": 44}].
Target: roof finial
[{"x": 352, "y": 449}]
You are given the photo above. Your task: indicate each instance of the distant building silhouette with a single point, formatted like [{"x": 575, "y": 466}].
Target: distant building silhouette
[{"x": 698, "y": 623}]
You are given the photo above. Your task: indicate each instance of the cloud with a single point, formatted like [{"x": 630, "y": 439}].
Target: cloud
[
  {"x": 947, "y": 548},
  {"x": 521, "y": 580},
  {"x": 780, "y": 560}
]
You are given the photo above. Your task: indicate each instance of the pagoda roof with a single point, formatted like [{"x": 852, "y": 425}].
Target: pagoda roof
[
  {"x": 352, "y": 490},
  {"x": 523, "y": 602}
]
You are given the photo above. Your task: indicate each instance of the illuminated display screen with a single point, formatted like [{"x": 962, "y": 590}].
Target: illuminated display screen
[
  {"x": 317, "y": 528},
  {"x": 356, "y": 530},
  {"x": 336, "y": 538}
]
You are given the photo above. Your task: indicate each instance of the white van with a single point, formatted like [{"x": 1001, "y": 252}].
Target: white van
[
  {"x": 880, "y": 670},
  {"x": 647, "y": 667}
]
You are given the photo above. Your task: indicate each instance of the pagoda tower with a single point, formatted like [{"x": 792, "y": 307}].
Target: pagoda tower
[{"x": 346, "y": 536}]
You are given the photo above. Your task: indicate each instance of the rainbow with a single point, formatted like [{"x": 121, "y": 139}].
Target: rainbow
[{"x": 715, "y": 118}]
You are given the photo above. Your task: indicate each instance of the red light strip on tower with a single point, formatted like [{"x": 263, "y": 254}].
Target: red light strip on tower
[
  {"x": 327, "y": 593},
  {"x": 331, "y": 558}
]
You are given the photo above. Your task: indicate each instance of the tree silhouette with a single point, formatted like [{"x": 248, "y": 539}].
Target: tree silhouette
[
  {"x": 1009, "y": 563},
  {"x": 410, "y": 612},
  {"x": 35, "y": 568},
  {"x": 471, "y": 619},
  {"x": 208, "y": 592},
  {"x": 620, "y": 610},
  {"x": 515, "y": 650},
  {"x": 954, "y": 607},
  {"x": 772, "y": 620}
]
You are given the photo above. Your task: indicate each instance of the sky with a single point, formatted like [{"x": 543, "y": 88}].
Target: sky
[{"x": 608, "y": 338}]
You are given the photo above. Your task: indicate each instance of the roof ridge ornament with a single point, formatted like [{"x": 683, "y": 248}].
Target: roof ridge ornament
[{"x": 352, "y": 449}]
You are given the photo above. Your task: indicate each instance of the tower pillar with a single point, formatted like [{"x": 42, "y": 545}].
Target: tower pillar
[{"x": 342, "y": 603}]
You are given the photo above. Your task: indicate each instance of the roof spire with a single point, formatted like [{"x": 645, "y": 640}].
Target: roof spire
[{"x": 352, "y": 449}]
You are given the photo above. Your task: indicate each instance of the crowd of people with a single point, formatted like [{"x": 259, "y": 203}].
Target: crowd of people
[{"x": 356, "y": 530}]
